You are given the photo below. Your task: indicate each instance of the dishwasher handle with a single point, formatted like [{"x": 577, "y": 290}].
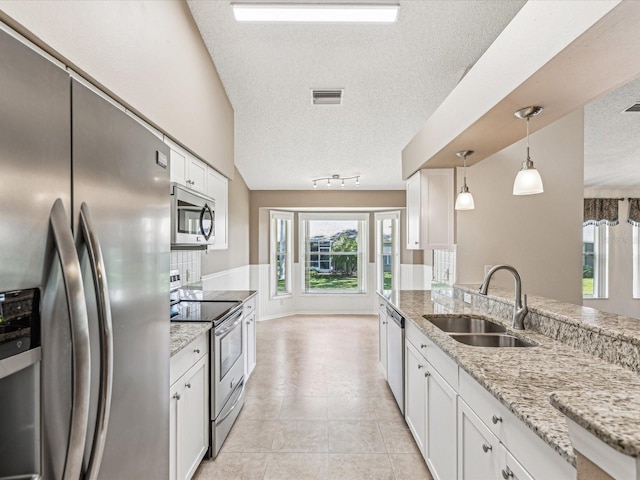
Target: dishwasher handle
[{"x": 395, "y": 316}]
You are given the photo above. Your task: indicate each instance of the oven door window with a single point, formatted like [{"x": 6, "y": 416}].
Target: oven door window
[
  {"x": 189, "y": 218},
  {"x": 230, "y": 349}
]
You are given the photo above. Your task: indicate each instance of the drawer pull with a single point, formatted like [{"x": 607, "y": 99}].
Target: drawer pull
[
  {"x": 427, "y": 374},
  {"x": 248, "y": 322},
  {"x": 486, "y": 447},
  {"x": 495, "y": 419},
  {"x": 176, "y": 396},
  {"x": 188, "y": 385},
  {"x": 507, "y": 473},
  {"x": 197, "y": 350},
  {"x": 420, "y": 366},
  {"x": 423, "y": 345}
]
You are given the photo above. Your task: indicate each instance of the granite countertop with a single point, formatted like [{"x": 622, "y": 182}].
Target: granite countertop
[
  {"x": 183, "y": 333},
  {"x": 522, "y": 379},
  {"x": 196, "y": 293}
]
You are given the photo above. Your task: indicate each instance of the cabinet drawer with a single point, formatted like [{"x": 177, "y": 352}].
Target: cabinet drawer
[
  {"x": 446, "y": 367},
  {"x": 188, "y": 356},
  {"x": 535, "y": 455},
  {"x": 249, "y": 306}
]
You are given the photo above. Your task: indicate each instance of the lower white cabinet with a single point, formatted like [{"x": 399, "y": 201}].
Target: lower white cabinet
[
  {"x": 478, "y": 448},
  {"x": 430, "y": 413},
  {"x": 382, "y": 337},
  {"x": 249, "y": 336},
  {"x": 189, "y": 413}
]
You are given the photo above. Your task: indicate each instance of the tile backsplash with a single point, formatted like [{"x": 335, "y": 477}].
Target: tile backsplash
[
  {"x": 444, "y": 271},
  {"x": 188, "y": 263}
]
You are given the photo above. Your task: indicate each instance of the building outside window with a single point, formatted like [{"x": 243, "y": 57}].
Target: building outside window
[
  {"x": 333, "y": 248},
  {"x": 595, "y": 247},
  {"x": 281, "y": 253},
  {"x": 388, "y": 250}
]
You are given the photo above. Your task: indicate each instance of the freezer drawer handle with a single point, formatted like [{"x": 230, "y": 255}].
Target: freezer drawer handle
[
  {"x": 106, "y": 340},
  {"x": 81, "y": 357}
]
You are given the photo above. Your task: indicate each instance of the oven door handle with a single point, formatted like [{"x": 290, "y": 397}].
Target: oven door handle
[
  {"x": 222, "y": 332},
  {"x": 223, "y": 418}
]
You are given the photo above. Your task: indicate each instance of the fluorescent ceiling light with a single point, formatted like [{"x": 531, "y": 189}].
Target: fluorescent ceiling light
[{"x": 307, "y": 12}]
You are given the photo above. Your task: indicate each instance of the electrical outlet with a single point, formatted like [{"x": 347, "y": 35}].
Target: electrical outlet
[{"x": 466, "y": 297}]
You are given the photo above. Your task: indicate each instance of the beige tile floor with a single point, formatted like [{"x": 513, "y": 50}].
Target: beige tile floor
[{"x": 318, "y": 407}]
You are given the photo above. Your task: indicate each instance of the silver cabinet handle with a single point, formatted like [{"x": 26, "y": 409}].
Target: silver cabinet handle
[
  {"x": 423, "y": 345},
  {"x": 486, "y": 447},
  {"x": 420, "y": 366},
  {"x": 105, "y": 323},
  {"x": 81, "y": 355},
  {"x": 427, "y": 374},
  {"x": 248, "y": 322},
  {"x": 384, "y": 323},
  {"x": 177, "y": 396},
  {"x": 188, "y": 385},
  {"x": 496, "y": 419},
  {"x": 196, "y": 350},
  {"x": 507, "y": 473}
]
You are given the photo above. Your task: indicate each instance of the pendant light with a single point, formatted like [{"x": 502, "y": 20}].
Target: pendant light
[
  {"x": 528, "y": 181},
  {"x": 464, "y": 201}
]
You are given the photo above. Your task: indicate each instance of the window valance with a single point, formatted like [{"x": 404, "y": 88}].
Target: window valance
[
  {"x": 601, "y": 211},
  {"x": 634, "y": 212}
]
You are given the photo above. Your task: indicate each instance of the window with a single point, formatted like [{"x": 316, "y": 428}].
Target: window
[
  {"x": 281, "y": 253},
  {"x": 387, "y": 250},
  {"x": 333, "y": 248},
  {"x": 595, "y": 246}
]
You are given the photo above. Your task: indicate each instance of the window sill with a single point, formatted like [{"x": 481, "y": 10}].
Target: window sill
[
  {"x": 334, "y": 292},
  {"x": 281, "y": 296}
]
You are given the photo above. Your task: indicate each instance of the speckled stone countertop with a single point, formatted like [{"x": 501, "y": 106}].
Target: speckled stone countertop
[
  {"x": 183, "y": 333},
  {"x": 216, "y": 295},
  {"x": 521, "y": 378}
]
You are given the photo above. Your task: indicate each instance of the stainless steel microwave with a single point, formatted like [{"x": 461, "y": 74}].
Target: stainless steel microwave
[{"x": 192, "y": 217}]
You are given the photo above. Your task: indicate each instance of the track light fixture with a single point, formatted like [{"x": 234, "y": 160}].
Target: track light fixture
[{"x": 336, "y": 177}]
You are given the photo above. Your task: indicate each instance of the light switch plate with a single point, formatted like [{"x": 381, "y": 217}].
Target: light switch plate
[{"x": 466, "y": 297}]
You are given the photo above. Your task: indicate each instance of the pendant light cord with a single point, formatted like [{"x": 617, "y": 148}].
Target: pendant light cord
[
  {"x": 464, "y": 159},
  {"x": 528, "y": 157}
]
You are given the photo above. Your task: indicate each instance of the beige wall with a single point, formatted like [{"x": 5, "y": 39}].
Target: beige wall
[
  {"x": 148, "y": 55},
  {"x": 237, "y": 255},
  {"x": 540, "y": 235},
  {"x": 620, "y": 298},
  {"x": 262, "y": 200}
]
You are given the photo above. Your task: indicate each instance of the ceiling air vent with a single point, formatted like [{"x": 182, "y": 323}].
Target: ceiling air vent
[
  {"x": 327, "y": 96},
  {"x": 635, "y": 108}
]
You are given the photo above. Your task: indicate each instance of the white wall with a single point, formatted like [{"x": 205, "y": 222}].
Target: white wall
[
  {"x": 540, "y": 235},
  {"x": 620, "y": 299}
]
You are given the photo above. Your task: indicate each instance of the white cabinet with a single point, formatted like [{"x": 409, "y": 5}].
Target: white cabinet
[
  {"x": 430, "y": 213},
  {"x": 186, "y": 169},
  {"x": 511, "y": 468},
  {"x": 218, "y": 189},
  {"x": 382, "y": 337},
  {"x": 249, "y": 336},
  {"x": 415, "y": 413},
  {"x": 441, "y": 426},
  {"x": 189, "y": 409},
  {"x": 478, "y": 448}
]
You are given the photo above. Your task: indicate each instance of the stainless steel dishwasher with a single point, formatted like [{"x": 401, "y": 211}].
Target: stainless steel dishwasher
[{"x": 395, "y": 355}]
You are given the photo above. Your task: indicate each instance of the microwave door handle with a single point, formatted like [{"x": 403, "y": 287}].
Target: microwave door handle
[
  {"x": 105, "y": 323},
  {"x": 81, "y": 358},
  {"x": 204, "y": 210}
]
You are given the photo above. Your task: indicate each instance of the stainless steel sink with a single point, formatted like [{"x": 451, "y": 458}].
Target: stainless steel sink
[
  {"x": 466, "y": 325},
  {"x": 492, "y": 340}
]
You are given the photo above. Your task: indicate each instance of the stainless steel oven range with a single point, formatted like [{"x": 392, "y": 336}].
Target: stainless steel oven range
[{"x": 226, "y": 361}]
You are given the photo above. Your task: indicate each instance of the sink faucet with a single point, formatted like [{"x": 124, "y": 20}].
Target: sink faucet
[{"x": 519, "y": 310}]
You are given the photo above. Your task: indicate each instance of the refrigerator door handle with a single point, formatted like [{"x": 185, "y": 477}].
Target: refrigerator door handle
[
  {"x": 96, "y": 259},
  {"x": 79, "y": 320}
]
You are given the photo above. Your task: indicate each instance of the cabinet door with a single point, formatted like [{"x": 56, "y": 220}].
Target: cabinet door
[
  {"x": 478, "y": 448},
  {"x": 251, "y": 344},
  {"x": 178, "y": 167},
  {"x": 382, "y": 340},
  {"x": 441, "y": 426},
  {"x": 511, "y": 468},
  {"x": 193, "y": 419},
  {"x": 175, "y": 396},
  {"x": 197, "y": 171},
  {"x": 416, "y": 395},
  {"x": 217, "y": 188},
  {"x": 438, "y": 217},
  {"x": 414, "y": 211}
]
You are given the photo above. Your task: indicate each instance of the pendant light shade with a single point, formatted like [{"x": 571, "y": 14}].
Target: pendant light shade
[
  {"x": 464, "y": 201},
  {"x": 528, "y": 180}
]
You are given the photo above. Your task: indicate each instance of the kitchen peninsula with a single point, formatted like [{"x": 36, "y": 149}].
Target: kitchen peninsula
[{"x": 562, "y": 364}]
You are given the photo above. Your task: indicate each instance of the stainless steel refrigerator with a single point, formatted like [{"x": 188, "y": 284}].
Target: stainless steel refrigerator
[{"x": 84, "y": 220}]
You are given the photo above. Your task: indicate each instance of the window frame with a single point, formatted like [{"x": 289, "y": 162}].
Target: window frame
[
  {"x": 394, "y": 216},
  {"x": 274, "y": 217},
  {"x": 600, "y": 263},
  {"x": 363, "y": 250}
]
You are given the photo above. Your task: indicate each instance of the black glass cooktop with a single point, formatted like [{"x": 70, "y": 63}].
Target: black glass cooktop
[{"x": 202, "y": 311}]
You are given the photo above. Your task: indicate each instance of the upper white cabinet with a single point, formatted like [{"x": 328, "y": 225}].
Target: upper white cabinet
[
  {"x": 218, "y": 189},
  {"x": 191, "y": 172},
  {"x": 430, "y": 219}
]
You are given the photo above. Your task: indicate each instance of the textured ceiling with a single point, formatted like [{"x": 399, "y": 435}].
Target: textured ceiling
[
  {"x": 612, "y": 140},
  {"x": 394, "y": 77}
]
